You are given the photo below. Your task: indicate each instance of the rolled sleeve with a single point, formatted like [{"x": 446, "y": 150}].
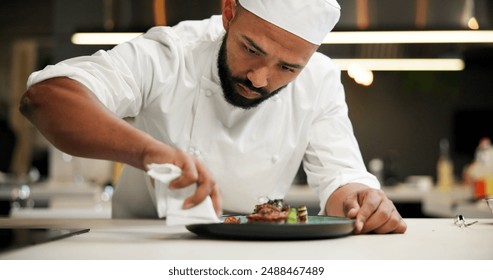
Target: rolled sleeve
[{"x": 111, "y": 80}]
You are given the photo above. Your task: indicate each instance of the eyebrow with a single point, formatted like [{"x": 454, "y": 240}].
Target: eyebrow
[{"x": 259, "y": 49}]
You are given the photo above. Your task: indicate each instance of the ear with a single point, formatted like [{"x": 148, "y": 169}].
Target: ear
[{"x": 229, "y": 11}]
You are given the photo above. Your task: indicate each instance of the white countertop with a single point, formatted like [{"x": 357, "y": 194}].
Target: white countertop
[{"x": 426, "y": 239}]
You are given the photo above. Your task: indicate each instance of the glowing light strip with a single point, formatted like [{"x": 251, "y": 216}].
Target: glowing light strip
[
  {"x": 403, "y": 64},
  {"x": 409, "y": 37},
  {"x": 112, "y": 38},
  {"x": 102, "y": 38},
  {"x": 335, "y": 37}
]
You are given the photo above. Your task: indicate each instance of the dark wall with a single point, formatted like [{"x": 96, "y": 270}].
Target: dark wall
[{"x": 402, "y": 116}]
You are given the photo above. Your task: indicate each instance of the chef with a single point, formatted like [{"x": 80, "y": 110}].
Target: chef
[{"x": 236, "y": 101}]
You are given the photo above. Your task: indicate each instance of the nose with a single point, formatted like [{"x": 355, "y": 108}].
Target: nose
[{"x": 259, "y": 77}]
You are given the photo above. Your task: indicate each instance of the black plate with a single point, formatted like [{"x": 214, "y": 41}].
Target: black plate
[
  {"x": 14, "y": 238},
  {"x": 318, "y": 227}
]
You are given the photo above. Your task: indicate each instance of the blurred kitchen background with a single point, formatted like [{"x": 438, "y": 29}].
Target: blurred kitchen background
[{"x": 399, "y": 117}]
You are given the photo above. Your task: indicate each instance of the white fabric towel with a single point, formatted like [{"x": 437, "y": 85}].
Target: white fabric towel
[{"x": 169, "y": 202}]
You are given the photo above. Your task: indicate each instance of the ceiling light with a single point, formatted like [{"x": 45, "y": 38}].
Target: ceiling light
[
  {"x": 335, "y": 37},
  {"x": 472, "y": 23},
  {"x": 102, "y": 38},
  {"x": 409, "y": 37},
  {"x": 360, "y": 74},
  {"x": 402, "y": 64}
]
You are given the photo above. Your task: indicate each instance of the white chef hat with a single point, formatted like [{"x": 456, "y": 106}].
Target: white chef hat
[{"x": 311, "y": 20}]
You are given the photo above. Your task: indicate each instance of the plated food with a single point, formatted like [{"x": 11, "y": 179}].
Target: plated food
[
  {"x": 316, "y": 227},
  {"x": 275, "y": 220},
  {"x": 273, "y": 211}
]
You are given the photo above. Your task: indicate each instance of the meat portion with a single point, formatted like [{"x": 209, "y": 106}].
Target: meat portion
[
  {"x": 232, "y": 220},
  {"x": 274, "y": 211}
]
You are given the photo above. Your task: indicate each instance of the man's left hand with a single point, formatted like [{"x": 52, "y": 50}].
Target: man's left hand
[{"x": 371, "y": 209}]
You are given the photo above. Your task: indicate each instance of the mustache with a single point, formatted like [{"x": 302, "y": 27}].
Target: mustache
[{"x": 249, "y": 85}]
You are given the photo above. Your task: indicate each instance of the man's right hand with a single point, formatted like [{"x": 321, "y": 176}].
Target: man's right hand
[{"x": 193, "y": 172}]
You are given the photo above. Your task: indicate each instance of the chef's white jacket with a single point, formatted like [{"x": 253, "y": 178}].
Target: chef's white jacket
[{"x": 167, "y": 79}]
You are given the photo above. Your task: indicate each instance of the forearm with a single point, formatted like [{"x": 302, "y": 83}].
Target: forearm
[
  {"x": 71, "y": 117},
  {"x": 73, "y": 120}
]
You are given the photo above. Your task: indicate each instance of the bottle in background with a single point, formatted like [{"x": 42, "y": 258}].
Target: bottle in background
[
  {"x": 481, "y": 170},
  {"x": 445, "y": 167}
]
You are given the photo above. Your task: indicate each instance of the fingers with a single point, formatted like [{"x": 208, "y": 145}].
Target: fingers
[
  {"x": 360, "y": 206},
  {"x": 369, "y": 214},
  {"x": 385, "y": 220},
  {"x": 373, "y": 212},
  {"x": 206, "y": 186},
  {"x": 193, "y": 172},
  {"x": 189, "y": 172},
  {"x": 351, "y": 209},
  {"x": 217, "y": 201}
]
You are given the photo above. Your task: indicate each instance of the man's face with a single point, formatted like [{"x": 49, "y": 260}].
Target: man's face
[
  {"x": 258, "y": 59},
  {"x": 229, "y": 84}
]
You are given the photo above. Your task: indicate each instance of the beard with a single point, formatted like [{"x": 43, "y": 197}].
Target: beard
[{"x": 228, "y": 82}]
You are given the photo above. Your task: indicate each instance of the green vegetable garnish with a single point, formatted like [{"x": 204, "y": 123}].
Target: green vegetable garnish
[{"x": 292, "y": 216}]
